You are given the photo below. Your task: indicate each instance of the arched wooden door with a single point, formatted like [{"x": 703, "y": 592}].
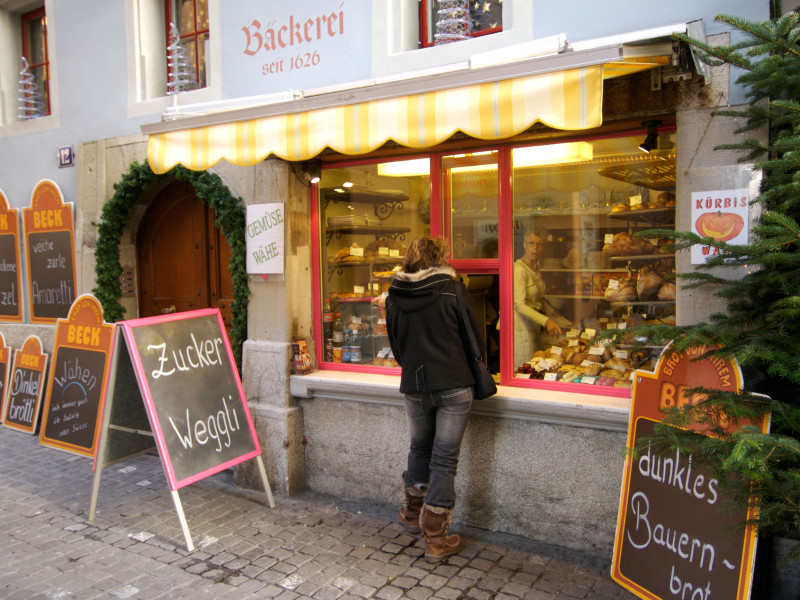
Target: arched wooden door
[{"x": 182, "y": 258}]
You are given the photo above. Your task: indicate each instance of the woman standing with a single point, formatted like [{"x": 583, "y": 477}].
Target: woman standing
[
  {"x": 430, "y": 343},
  {"x": 531, "y": 313}
]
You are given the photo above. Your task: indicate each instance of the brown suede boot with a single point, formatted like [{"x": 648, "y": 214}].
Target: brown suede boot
[
  {"x": 435, "y": 521},
  {"x": 409, "y": 512}
]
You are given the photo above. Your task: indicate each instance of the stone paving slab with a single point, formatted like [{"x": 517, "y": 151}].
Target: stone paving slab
[{"x": 308, "y": 546}]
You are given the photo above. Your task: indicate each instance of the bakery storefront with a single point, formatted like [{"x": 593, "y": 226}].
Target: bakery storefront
[{"x": 538, "y": 174}]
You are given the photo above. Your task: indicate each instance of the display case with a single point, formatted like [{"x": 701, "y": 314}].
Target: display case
[
  {"x": 598, "y": 273},
  {"x": 362, "y": 248}
]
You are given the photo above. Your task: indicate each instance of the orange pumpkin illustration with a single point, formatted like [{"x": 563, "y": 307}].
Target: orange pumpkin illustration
[{"x": 719, "y": 225}]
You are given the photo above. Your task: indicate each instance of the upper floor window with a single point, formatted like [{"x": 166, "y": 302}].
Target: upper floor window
[
  {"x": 34, "y": 51},
  {"x": 444, "y": 21},
  {"x": 191, "y": 19}
]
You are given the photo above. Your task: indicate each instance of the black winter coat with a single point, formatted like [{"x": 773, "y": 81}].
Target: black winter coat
[{"x": 426, "y": 332}]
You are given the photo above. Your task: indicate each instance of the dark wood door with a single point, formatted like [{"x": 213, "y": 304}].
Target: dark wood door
[{"x": 182, "y": 258}]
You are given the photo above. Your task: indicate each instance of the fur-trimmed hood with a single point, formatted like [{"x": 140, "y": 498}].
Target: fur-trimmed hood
[
  {"x": 420, "y": 275},
  {"x": 412, "y": 292}
]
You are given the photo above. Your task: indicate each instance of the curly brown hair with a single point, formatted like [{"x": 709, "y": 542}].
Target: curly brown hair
[{"x": 425, "y": 253}]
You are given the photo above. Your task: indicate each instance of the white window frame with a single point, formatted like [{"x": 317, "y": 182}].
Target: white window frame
[
  {"x": 395, "y": 37},
  {"x": 10, "y": 51},
  {"x": 147, "y": 63}
]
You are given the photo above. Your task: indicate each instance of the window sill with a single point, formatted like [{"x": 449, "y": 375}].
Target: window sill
[
  {"x": 27, "y": 126},
  {"x": 548, "y": 406}
]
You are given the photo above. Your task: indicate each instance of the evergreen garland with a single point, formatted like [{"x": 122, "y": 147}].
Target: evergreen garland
[{"x": 229, "y": 217}]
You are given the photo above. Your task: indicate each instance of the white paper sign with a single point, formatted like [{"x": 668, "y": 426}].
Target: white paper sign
[
  {"x": 264, "y": 238},
  {"x": 722, "y": 215}
]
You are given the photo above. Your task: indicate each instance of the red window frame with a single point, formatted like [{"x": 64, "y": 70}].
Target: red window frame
[
  {"x": 194, "y": 35},
  {"x": 25, "y": 19},
  {"x": 425, "y": 17},
  {"x": 501, "y": 266}
]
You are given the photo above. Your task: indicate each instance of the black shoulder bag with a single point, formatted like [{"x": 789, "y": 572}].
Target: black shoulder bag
[{"x": 484, "y": 382}]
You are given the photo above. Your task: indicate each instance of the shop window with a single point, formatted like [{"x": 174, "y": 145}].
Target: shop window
[
  {"x": 454, "y": 19},
  {"x": 368, "y": 214},
  {"x": 190, "y": 17},
  {"x": 34, "y": 50},
  {"x": 555, "y": 243},
  {"x": 470, "y": 193},
  {"x": 578, "y": 267}
]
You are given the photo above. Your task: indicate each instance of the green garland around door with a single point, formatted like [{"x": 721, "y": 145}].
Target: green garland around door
[{"x": 230, "y": 218}]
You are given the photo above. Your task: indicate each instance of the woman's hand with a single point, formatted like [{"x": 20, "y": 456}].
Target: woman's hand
[{"x": 553, "y": 328}]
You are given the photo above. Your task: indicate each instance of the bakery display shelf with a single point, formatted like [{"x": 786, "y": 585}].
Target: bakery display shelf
[
  {"x": 663, "y": 217},
  {"x": 645, "y": 303},
  {"x": 339, "y": 266},
  {"x": 381, "y": 232},
  {"x": 654, "y": 172},
  {"x": 349, "y": 300},
  {"x": 587, "y": 270},
  {"x": 642, "y": 257},
  {"x": 576, "y": 297},
  {"x": 385, "y": 201}
]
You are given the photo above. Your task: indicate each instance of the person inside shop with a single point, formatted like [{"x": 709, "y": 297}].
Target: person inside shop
[
  {"x": 429, "y": 342},
  {"x": 535, "y": 320}
]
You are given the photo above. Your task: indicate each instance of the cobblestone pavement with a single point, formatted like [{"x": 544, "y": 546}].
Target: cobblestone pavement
[{"x": 309, "y": 546}]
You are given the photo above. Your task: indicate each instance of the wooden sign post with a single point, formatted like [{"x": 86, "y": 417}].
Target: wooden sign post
[
  {"x": 10, "y": 303},
  {"x": 190, "y": 402},
  {"x": 5, "y": 359},
  {"x": 49, "y": 242},
  {"x": 26, "y": 387},
  {"x": 77, "y": 378},
  {"x": 676, "y": 536}
]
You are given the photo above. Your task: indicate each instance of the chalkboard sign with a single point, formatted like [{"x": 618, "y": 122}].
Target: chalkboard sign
[
  {"x": 77, "y": 378},
  {"x": 49, "y": 237},
  {"x": 191, "y": 388},
  {"x": 193, "y": 400},
  {"x": 10, "y": 304},
  {"x": 675, "y": 533},
  {"x": 26, "y": 386},
  {"x": 5, "y": 359}
]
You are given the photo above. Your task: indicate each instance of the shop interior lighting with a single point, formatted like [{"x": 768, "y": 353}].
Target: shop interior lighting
[
  {"x": 552, "y": 154},
  {"x": 405, "y": 168},
  {"x": 347, "y": 184},
  {"x": 651, "y": 140}
]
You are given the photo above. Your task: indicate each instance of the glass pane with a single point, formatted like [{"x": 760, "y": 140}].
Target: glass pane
[
  {"x": 469, "y": 186},
  {"x": 183, "y": 14},
  {"x": 202, "y": 14},
  {"x": 486, "y": 14},
  {"x": 40, "y": 73},
  {"x": 578, "y": 267},
  {"x": 35, "y": 53},
  {"x": 369, "y": 213},
  {"x": 191, "y": 54},
  {"x": 202, "y": 45}
]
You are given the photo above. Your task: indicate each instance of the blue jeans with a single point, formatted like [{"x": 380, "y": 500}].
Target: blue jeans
[{"x": 436, "y": 422}]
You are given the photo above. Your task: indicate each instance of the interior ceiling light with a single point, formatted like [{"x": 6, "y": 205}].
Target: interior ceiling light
[
  {"x": 651, "y": 140},
  {"x": 552, "y": 154},
  {"x": 405, "y": 168}
]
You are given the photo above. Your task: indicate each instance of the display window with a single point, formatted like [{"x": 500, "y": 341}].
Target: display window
[
  {"x": 578, "y": 267},
  {"x": 553, "y": 248},
  {"x": 367, "y": 215}
]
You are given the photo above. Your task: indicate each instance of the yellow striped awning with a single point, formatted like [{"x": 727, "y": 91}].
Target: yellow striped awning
[{"x": 570, "y": 99}]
